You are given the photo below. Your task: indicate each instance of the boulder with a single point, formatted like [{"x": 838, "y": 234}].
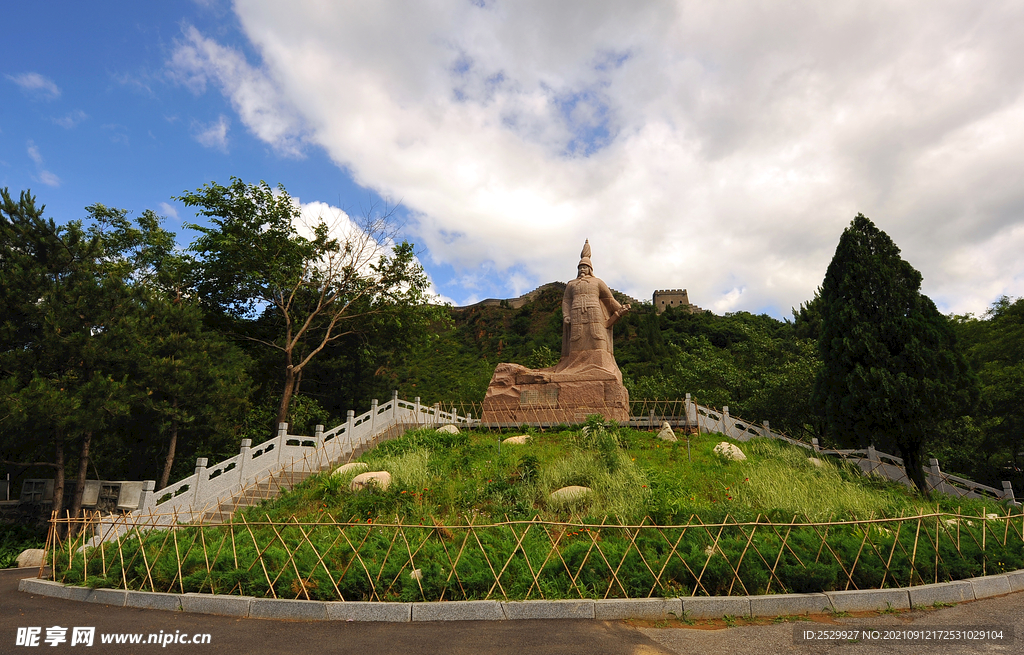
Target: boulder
[
  {"x": 517, "y": 441},
  {"x": 570, "y": 493},
  {"x": 666, "y": 433},
  {"x": 730, "y": 451},
  {"x": 31, "y": 558},
  {"x": 815, "y": 462},
  {"x": 448, "y": 429},
  {"x": 379, "y": 479},
  {"x": 350, "y": 467}
]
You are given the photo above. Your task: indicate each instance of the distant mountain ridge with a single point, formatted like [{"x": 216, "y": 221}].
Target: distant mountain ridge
[{"x": 516, "y": 303}]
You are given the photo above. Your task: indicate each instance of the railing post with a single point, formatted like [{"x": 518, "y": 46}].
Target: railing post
[
  {"x": 318, "y": 443},
  {"x": 418, "y": 416},
  {"x": 437, "y": 412},
  {"x": 873, "y": 461},
  {"x": 373, "y": 417},
  {"x": 244, "y": 457},
  {"x": 282, "y": 438},
  {"x": 148, "y": 497},
  {"x": 814, "y": 444},
  {"x": 650, "y": 420},
  {"x": 350, "y": 420},
  {"x": 200, "y": 474},
  {"x": 934, "y": 475},
  {"x": 766, "y": 430},
  {"x": 726, "y": 428},
  {"x": 394, "y": 405},
  {"x": 686, "y": 408},
  {"x": 1008, "y": 491}
]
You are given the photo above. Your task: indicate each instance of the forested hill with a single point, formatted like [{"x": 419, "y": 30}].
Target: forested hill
[
  {"x": 740, "y": 360},
  {"x": 761, "y": 367}
]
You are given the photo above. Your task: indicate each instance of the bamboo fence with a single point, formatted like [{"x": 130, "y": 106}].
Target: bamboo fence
[{"x": 328, "y": 559}]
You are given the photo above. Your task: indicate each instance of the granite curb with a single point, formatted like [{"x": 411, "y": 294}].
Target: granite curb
[{"x": 690, "y": 607}]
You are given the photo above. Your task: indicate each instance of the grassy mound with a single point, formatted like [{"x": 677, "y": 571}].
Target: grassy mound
[
  {"x": 466, "y": 518},
  {"x": 634, "y": 476}
]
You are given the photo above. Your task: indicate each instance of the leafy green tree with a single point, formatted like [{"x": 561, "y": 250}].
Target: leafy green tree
[
  {"x": 65, "y": 298},
  {"x": 995, "y": 349},
  {"x": 185, "y": 373},
  {"x": 892, "y": 371},
  {"x": 99, "y": 333},
  {"x": 308, "y": 291}
]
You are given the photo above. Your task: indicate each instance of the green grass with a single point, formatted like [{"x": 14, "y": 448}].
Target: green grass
[
  {"x": 634, "y": 477},
  {"x": 446, "y": 483},
  {"x": 14, "y": 538}
]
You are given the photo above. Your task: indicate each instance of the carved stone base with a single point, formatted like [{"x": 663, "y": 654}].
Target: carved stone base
[{"x": 516, "y": 396}]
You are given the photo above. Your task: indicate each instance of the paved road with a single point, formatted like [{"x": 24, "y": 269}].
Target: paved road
[
  {"x": 229, "y": 635},
  {"x": 258, "y": 637},
  {"x": 1005, "y": 611}
]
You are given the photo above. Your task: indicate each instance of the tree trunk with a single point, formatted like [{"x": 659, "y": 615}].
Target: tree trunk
[
  {"x": 912, "y": 465},
  {"x": 286, "y": 393},
  {"x": 58, "y": 478},
  {"x": 83, "y": 471},
  {"x": 172, "y": 443}
]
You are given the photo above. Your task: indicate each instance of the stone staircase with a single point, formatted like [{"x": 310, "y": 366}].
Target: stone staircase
[
  {"x": 288, "y": 479},
  {"x": 255, "y": 494}
]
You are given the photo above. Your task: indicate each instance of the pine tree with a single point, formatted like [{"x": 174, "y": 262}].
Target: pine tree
[{"x": 891, "y": 366}]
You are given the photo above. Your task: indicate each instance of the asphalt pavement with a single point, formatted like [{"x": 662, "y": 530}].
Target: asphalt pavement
[{"x": 230, "y": 635}]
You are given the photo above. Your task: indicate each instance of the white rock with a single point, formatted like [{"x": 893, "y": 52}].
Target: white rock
[
  {"x": 448, "y": 429},
  {"x": 31, "y": 558},
  {"x": 517, "y": 441},
  {"x": 730, "y": 451},
  {"x": 991, "y": 516},
  {"x": 416, "y": 574},
  {"x": 573, "y": 492},
  {"x": 379, "y": 479},
  {"x": 815, "y": 462},
  {"x": 666, "y": 433},
  {"x": 709, "y": 551},
  {"x": 350, "y": 467}
]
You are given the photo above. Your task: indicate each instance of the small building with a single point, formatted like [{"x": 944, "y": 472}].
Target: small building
[{"x": 665, "y": 298}]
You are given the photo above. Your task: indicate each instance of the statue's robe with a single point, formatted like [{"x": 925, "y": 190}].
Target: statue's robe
[{"x": 586, "y": 379}]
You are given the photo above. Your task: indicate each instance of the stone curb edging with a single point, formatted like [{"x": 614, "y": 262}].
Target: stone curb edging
[{"x": 692, "y": 607}]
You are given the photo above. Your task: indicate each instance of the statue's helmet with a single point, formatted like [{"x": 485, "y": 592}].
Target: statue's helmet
[{"x": 585, "y": 256}]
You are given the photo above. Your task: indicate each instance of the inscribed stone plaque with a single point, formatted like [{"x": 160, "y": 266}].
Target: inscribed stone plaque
[{"x": 547, "y": 397}]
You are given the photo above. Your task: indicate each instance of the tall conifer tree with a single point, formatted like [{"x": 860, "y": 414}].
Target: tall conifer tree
[{"x": 892, "y": 369}]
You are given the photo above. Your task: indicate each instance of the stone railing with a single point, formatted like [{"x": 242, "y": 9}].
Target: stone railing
[
  {"x": 870, "y": 460},
  {"x": 189, "y": 499}
]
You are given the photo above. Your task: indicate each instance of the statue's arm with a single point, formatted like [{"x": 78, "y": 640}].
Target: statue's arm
[
  {"x": 567, "y": 305},
  {"x": 612, "y": 306}
]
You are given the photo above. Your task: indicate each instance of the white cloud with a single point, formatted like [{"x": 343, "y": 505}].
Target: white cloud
[
  {"x": 71, "y": 119},
  {"x": 713, "y": 146},
  {"x": 33, "y": 153},
  {"x": 212, "y": 135},
  {"x": 36, "y": 85},
  {"x": 197, "y": 60},
  {"x": 42, "y": 176},
  {"x": 168, "y": 210},
  {"x": 344, "y": 228}
]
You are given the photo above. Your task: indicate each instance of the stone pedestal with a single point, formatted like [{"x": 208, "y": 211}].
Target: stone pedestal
[{"x": 518, "y": 395}]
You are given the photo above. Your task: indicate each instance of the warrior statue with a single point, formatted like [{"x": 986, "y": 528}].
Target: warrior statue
[
  {"x": 586, "y": 379},
  {"x": 589, "y": 311}
]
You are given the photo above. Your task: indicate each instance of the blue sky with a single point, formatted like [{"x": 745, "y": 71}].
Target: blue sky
[
  {"x": 716, "y": 147},
  {"x": 106, "y": 124}
]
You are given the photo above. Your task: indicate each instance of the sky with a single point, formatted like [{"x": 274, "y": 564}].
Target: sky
[{"x": 720, "y": 147}]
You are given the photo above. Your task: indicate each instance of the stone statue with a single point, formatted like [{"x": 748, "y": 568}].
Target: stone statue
[{"x": 586, "y": 379}]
